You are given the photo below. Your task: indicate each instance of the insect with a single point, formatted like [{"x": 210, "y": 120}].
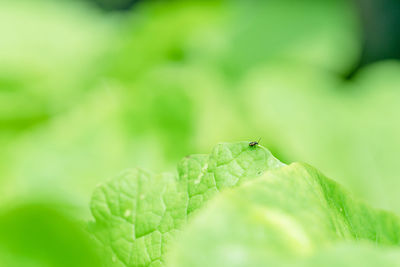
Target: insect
[{"x": 254, "y": 143}]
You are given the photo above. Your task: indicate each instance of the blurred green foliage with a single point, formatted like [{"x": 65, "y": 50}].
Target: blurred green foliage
[
  {"x": 84, "y": 94},
  {"x": 38, "y": 234}
]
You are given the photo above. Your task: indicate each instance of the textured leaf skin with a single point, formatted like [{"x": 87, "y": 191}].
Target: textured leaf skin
[
  {"x": 291, "y": 216},
  {"x": 138, "y": 213},
  {"x": 279, "y": 215}
]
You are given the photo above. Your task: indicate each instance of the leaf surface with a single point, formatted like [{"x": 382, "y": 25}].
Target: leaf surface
[
  {"x": 138, "y": 213},
  {"x": 293, "y": 215}
]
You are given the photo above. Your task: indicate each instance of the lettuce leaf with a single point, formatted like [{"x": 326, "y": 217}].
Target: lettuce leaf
[
  {"x": 39, "y": 234},
  {"x": 292, "y": 216},
  {"x": 138, "y": 213},
  {"x": 267, "y": 213}
]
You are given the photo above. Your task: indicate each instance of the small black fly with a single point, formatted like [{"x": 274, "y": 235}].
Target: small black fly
[{"x": 254, "y": 143}]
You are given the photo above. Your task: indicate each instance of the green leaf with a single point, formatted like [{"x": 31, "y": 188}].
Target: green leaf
[
  {"x": 39, "y": 235},
  {"x": 291, "y": 215},
  {"x": 138, "y": 213}
]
